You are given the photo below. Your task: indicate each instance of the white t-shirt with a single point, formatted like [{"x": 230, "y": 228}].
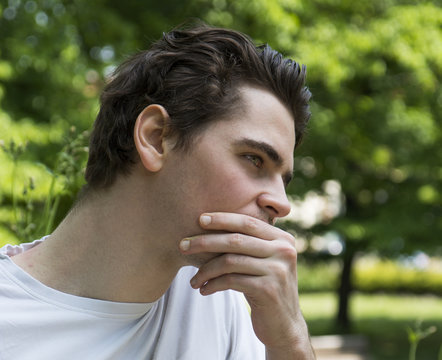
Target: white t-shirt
[{"x": 38, "y": 322}]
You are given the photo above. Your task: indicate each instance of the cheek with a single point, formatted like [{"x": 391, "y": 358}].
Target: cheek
[{"x": 227, "y": 190}]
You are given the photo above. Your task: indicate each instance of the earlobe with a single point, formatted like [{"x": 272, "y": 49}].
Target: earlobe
[{"x": 149, "y": 136}]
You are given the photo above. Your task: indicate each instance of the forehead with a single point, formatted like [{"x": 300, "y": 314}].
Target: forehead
[
  {"x": 261, "y": 116},
  {"x": 266, "y": 108}
]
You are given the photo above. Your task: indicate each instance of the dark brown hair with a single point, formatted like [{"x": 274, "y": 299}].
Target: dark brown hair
[{"x": 195, "y": 75}]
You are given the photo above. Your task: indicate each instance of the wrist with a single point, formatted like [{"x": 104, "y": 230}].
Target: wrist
[{"x": 299, "y": 350}]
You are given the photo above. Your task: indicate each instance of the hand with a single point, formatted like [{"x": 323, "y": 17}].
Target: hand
[{"x": 259, "y": 260}]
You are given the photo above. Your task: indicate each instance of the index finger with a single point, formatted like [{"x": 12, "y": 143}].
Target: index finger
[{"x": 240, "y": 223}]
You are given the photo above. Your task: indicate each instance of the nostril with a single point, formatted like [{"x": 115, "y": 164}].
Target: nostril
[{"x": 273, "y": 210}]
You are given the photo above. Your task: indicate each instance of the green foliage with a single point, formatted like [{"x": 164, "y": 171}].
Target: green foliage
[
  {"x": 318, "y": 277},
  {"x": 375, "y": 74},
  {"x": 372, "y": 275},
  {"x": 30, "y": 215},
  {"x": 389, "y": 276}
]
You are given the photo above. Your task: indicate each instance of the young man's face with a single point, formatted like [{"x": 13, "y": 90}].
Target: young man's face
[{"x": 240, "y": 165}]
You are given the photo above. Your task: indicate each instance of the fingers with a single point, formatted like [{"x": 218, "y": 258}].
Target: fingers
[
  {"x": 233, "y": 222},
  {"x": 237, "y": 282},
  {"x": 252, "y": 253},
  {"x": 225, "y": 265},
  {"x": 241, "y": 273},
  {"x": 244, "y": 235},
  {"x": 234, "y": 243}
]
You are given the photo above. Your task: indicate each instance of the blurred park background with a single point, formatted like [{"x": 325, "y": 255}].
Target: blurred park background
[{"x": 366, "y": 195}]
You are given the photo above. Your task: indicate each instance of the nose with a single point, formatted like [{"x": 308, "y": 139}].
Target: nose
[{"x": 275, "y": 203}]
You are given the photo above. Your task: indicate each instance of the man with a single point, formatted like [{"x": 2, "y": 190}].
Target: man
[{"x": 189, "y": 159}]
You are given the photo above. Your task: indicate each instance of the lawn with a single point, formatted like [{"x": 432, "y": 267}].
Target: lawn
[{"x": 383, "y": 319}]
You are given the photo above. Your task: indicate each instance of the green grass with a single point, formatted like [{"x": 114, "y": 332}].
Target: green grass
[{"x": 383, "y": 319}]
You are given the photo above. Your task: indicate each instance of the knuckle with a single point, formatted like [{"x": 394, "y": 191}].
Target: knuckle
[
  {"x": 229, "y": 259},
  {"x": 235, "y": 240},
  {"x": 279, "y": 270},
  {"x": 288, "y": 252},
  {"x": 290, "y": 239},
  {"x": 251, "y": 223}
]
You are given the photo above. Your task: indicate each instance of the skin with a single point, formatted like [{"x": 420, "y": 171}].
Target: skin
[{"x": 212, "y": 207}]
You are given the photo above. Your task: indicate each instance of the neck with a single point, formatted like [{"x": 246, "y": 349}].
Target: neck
[{"x": 105, "y": 250}]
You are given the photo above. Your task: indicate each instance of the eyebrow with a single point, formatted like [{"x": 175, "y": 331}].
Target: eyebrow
[{"x": 269, "y": 151}]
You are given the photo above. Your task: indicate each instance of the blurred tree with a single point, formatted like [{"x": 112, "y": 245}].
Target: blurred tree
[
  {"x": 375, "y": 70},
  {"x": 49, "y": 82}
]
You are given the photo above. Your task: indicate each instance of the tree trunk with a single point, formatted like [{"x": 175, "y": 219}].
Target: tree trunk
[{"x": 343, "y": 321}]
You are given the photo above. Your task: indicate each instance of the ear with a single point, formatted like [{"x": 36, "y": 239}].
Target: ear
[{"x": 149, "y": 136}]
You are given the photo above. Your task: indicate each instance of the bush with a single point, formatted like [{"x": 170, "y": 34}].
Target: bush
[
  {"x": 35, "y": 196},
  {"x": 372, "y": 275},
  {"x": 319, "y": 276}
]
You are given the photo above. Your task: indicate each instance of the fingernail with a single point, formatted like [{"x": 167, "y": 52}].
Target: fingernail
[
  {"x": 185, "y": 244},
  {"x": 193, "y": 282},
  {"x": 205, "y": 219}
]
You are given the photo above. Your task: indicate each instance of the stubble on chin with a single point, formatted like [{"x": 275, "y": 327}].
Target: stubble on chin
[{"x": 198, "y": 260}]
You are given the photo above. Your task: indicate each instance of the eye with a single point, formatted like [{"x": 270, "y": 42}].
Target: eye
[{"x": 255, "y": 160}]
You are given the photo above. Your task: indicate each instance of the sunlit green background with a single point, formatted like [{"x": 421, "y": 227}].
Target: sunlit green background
[{"x": 372, "y": 155}]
